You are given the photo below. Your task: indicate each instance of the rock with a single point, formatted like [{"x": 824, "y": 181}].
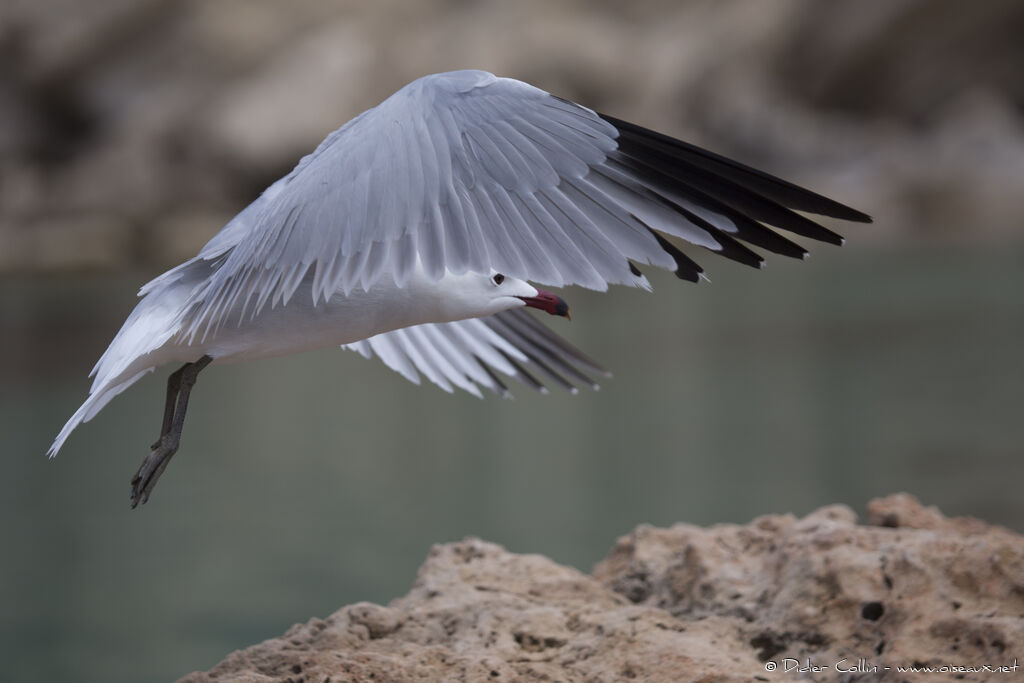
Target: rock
[{"x": 726, "y": 603}]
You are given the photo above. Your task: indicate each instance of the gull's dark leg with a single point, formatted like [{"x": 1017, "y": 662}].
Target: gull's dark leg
[
  {"x": 173, "y": 386},
  {"x": 179, "y": 386}
]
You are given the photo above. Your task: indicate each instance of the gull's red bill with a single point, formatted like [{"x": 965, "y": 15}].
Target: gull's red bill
[{"x": 549, "y": 303}]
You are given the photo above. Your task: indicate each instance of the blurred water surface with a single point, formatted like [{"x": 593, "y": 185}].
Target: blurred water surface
[{"x": 308, "y": 482}]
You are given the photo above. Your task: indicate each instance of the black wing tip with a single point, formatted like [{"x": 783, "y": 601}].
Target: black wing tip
[
  {"x": 686, "y": 268},
  {"x": 842, "y": 212},
  {"x": 734, "y": 250},
  {"x": 687, "y": 275},
  {"x": 829, "y": 237},
  {"x": 788, "y": 194}
]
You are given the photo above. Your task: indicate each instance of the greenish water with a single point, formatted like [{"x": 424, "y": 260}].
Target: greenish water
[{"x": 308, "y": 482}]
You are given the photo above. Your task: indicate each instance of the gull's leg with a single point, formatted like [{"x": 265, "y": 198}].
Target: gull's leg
[
  {"x": 179, "y": 386},
  {"x": 173, "y": 386}
]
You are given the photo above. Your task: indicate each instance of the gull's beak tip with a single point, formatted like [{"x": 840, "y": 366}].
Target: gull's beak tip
[
  {"x": 549, "y": 303},
  {"x": 559, "y": 307}
]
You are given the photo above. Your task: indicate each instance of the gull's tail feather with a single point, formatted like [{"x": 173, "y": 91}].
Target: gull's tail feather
[
  {"x": 145, "y": 341},
  {"x": 92, "y": 405}
]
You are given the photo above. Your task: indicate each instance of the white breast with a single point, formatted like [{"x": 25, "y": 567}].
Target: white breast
[{"x": 342, "y": 319}]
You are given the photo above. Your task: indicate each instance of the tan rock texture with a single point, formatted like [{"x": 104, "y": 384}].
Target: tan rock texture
[{"x": 726, "y": 603}]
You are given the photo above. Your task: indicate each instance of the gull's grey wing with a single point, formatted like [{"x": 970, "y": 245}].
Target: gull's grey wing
[
  {"x": 466, "y": 171},
  {"x": 468, "y": 353}
]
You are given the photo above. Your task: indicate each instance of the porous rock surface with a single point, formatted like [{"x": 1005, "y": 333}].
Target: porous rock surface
[{"x": 726, "y": 603}]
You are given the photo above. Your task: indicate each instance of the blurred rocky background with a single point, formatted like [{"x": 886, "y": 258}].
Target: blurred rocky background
[{"x": 131, "y": 130}]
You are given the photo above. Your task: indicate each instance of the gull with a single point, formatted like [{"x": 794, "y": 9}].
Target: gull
[{"x": 413, "y": 232}]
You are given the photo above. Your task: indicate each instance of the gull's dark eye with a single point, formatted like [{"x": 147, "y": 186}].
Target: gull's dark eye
[{"x": 498, "y": 278}]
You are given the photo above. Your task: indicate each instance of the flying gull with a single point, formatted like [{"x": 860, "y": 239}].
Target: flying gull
[{"x": 413, "y": 232}]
